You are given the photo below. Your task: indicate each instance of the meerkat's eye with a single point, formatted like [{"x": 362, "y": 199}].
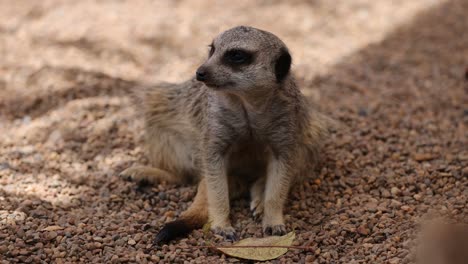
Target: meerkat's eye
[
  {"x": 212, "y": 50},
  {"x": 237, "y": 57}
]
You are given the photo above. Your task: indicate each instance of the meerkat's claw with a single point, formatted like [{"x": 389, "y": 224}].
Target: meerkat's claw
[
  {"x": 129, "y": 174},
  {"x": 125, "y": 176},
  {"x": 144, "y": 175},
  {"x": 138, "y": 175},
  {"x": 232, "y": 237},
  {"x": 276, "y": 230},
  {"x": 257, "y": 195},
  {"x": 256, "y": 207},
  {"x": 227, "y": 232}
]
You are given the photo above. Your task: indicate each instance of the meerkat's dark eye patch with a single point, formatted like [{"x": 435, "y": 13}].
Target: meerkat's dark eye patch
[
  {"x": 236, "y": 57},
  {"x": 212, "y": 50}
]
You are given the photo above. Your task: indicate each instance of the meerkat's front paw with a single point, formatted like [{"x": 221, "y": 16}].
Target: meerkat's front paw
[
  {"x": 228, "y": 233},
  {"x": 274, "y": 230},
  {"x": 273, "y": 225}
]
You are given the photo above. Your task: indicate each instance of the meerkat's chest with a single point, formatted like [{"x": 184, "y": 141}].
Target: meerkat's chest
[
  {"x": 247, "y": 127},
  {"x": 241, "y": 124}
]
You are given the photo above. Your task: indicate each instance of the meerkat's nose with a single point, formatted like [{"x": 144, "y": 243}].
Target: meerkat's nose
[{"x": 201, "y": 74}]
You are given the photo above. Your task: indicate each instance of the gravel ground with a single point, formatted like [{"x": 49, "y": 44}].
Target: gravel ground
[{"x": 392, "y": 72}]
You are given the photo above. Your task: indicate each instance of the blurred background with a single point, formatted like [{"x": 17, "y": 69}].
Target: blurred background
[
  {"x": 393, "y": 72},
  {"x": 167, "y": 39}
]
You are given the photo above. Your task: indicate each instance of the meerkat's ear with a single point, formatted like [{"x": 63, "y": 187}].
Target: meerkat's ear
[{"x": 282, "y": 65}]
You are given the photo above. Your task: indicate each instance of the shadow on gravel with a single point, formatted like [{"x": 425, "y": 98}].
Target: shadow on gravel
[
  {"x": 57, "y": 86},
  {"x": 403, "y": 104},
  {"x": 423, "y": 60},
  {"x": 413, "y": 80}
]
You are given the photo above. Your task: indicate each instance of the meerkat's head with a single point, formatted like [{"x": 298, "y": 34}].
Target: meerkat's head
[{"x": 245, "y": 58}]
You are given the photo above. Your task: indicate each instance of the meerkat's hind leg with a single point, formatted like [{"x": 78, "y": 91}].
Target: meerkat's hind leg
[
  {"x": 170, "y": 156},
  {"x": 257, "y": 192},
  {"x": 144, "y": 175}
]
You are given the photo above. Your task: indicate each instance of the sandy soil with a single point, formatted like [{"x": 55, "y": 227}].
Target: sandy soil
[{"x": 393, "y": 72}]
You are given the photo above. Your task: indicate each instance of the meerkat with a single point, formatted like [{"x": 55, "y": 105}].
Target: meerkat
[{"x": 240, "y": 125}]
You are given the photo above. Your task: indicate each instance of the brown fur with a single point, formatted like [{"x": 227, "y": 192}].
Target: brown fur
[{"x": 244, "y": 126}]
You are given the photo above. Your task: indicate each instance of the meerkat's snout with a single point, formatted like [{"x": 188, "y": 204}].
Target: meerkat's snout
[
  {"x": 215, "y": 79},
  {"x": 202, "y": 74},
  {"x": 206, "y": 75}
]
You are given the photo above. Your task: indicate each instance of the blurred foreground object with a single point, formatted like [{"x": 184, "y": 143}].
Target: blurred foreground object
[{"x": 442, "y": 242}]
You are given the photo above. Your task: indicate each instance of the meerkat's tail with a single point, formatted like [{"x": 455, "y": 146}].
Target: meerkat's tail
[{"x": 195, "y": 217}]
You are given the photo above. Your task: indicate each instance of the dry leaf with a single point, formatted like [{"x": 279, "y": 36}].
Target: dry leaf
[
  {"x": 248, "y": 248},
  {"x": 206, "y": 228},
  {"x": 52, "y": 228}
]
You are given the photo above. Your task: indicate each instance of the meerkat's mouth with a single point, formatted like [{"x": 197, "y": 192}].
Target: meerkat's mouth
[
  {"x": 214, "y": 86},
  {"x": 219, "y": 86}
]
